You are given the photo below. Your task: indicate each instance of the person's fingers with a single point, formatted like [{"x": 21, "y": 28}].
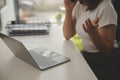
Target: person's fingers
[
  {"x": 96, "y": 20},
  {"x": 88, "y": 23},
  {"x": 85, "y": 28},
  {"x": 96, "y": 25}
]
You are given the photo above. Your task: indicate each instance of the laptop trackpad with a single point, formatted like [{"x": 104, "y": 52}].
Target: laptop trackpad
[{"x": 47, "y": 57}]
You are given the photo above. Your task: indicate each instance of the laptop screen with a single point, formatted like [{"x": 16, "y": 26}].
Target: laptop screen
[{"x": 18, "y": 49}]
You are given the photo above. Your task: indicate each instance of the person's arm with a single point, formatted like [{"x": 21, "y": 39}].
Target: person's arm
[
  {"x": 103, "y": 38},
  {"x": 69, "y": 27},
  {"x": 70, "y": 21}
]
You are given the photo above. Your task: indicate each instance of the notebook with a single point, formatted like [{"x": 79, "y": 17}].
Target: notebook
[
  {"x": 40, "y": 57},
  {"x": 22, "y": 29}
]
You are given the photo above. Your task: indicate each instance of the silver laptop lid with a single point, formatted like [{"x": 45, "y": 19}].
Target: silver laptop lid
[{"x": 18, "y": 49}]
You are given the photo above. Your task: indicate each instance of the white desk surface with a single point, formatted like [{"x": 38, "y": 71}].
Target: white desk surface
[{"x": 12, "y": 68}]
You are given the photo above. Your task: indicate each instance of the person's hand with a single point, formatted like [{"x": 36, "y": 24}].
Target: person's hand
[
  {"x": 69, "y": 5},
  {"x": 90, "y": 27}
]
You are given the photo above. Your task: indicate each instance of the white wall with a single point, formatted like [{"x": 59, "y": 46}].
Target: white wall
[
  {"x": 0, "y": 24},
  {"x": 8, "y": 13}
]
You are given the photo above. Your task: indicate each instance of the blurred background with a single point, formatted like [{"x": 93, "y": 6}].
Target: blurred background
[
  {"x": 35, "y": 10},
  {"x": 31, "y": 11}
]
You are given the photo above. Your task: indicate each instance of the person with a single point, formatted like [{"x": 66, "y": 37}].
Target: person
[{"x": 95, "y": 23}]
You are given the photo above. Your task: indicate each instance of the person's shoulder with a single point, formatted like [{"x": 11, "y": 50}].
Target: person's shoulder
[
  {"x": 105, "y": 4},
  {"x": 106, "y": 7}
]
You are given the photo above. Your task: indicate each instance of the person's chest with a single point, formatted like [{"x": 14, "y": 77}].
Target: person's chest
[{"x": 82, "y": 16}]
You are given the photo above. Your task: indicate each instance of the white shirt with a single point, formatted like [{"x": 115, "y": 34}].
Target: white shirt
[{"x": 105, "y": 12}]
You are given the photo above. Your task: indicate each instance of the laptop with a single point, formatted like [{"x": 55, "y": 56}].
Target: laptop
[{"x": 40, "y": 57}]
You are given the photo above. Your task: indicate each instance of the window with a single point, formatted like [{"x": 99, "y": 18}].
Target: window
[{"x": 37, "y": 10}]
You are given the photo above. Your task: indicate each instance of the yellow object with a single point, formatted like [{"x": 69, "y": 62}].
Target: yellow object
[
  {"x": 78, "y": 42},
  {"x": 58, "y": 16}
]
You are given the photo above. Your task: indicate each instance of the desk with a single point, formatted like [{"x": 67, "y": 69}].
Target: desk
[{"x": 12, "y": 68}]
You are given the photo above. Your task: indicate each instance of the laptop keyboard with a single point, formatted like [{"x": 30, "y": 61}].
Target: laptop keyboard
[{"x": 43, "y": 62}]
